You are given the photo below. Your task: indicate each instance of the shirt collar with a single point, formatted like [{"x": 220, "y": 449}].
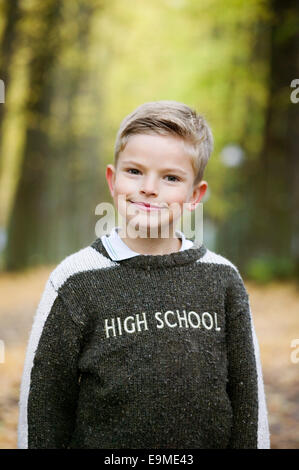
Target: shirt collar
[{"x": 118, "y": 250}]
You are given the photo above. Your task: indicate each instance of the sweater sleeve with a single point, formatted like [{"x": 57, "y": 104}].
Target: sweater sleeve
[
  {"x": 50, "y": 382},
  {"x": 245, "y": 386}
]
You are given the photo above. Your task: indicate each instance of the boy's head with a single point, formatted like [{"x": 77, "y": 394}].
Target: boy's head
[
  {"x": 161, "y": 151},
  {"x": 169, "y": 118}
]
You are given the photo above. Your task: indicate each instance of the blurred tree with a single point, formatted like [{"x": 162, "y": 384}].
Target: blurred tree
[
  {"x": 28, "y": 216},
  {"x": 10, "y": 11},
  {"x": 264, "y": 224},
  {"x": 236, "y": 236},
  {"x": 274, "y": 216},
  {"x": 58, "y": 187}
]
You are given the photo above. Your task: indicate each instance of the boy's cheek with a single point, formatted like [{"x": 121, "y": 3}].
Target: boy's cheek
[
  {"x": 125, "y": 187},
  {"x": 120, "y": 201}
]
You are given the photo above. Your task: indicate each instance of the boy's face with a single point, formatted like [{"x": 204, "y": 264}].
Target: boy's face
[{"x": 153, "y": 180}]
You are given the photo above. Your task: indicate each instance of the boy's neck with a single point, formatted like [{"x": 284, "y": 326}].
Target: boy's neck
[{"x": 151, "y": 246}]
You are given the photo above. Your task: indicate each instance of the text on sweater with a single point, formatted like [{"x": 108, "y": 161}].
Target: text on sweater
[{"x": 170, "y": 319}]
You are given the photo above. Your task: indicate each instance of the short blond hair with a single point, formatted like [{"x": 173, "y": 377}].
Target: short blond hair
[{"x": 170, "y": 118}]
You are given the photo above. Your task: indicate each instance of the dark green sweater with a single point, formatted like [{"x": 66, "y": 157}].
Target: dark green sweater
[{"x": 150, "y": 352}]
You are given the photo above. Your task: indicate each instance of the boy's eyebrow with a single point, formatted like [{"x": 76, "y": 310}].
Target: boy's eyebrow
[{"x": 175, "y": 170}]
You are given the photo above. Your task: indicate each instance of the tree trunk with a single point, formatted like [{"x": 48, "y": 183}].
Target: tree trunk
[
  {"x": 58, "y": 191},
  {"x": 271, "y": 189},
  {"x": 275, "y": 189},
  {"x": 11, "y": 12},
  {"x": 29, "y": 215}
]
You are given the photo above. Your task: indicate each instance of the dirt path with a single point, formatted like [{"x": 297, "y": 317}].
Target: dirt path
[{"x": 275, "y": 310}]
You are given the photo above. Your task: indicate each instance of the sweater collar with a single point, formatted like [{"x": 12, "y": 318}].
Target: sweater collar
[
  {"x": 118, "y": 250},
  {"x": 146, "y": 262}
]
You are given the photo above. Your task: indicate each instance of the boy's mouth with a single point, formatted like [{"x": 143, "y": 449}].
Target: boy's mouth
[{"x": 147, "y": 206}]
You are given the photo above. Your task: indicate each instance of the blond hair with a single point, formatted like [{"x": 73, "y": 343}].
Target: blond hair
[{"x": 169, "y": 118}]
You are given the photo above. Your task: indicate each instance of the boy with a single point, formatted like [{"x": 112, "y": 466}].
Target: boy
[{"x": 146, "y": 341}]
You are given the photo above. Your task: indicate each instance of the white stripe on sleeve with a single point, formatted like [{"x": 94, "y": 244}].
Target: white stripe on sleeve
[
  {"x": 263, "y": 437},
  {"x": 48, "y": 297},
  {"x": 84, "y": 260}
]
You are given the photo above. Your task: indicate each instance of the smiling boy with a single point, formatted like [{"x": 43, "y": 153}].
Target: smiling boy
[
  {"x": 143, "y": 341},
  {"x": 154, "y": 173}
]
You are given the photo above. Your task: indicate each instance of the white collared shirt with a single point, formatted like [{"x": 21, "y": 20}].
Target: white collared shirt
[{"x": 118, "y": 250}]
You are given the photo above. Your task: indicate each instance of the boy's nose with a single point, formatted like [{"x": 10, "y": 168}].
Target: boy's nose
[{"x": 149, "y": 187}]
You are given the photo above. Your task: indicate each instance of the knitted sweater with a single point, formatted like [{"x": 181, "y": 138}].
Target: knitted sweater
[{"x": 154, "y": 351}]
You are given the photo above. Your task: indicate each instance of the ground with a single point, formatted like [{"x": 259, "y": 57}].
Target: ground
[{"x": 275, "y": 314}]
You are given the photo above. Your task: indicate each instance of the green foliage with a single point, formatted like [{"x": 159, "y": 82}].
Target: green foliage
[
  {"x": 266, "y": 268},
  {"x": 108, "y": 57}
]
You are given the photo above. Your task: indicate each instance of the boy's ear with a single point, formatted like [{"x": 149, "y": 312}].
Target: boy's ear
[
  {"x": 198, "y": 193},
  {"x": 110, "y": 177}
]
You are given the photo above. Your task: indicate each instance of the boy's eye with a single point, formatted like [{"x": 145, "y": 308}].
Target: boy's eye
[
  {"x": 173, "y": 178},
  {"x": 133, "y": 169}
]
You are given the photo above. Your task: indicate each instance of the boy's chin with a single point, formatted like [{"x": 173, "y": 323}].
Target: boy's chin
[{"x": 150, "y": 229}]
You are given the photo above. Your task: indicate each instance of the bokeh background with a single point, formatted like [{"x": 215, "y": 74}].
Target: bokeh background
[{"x": 70, "y": 71}]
